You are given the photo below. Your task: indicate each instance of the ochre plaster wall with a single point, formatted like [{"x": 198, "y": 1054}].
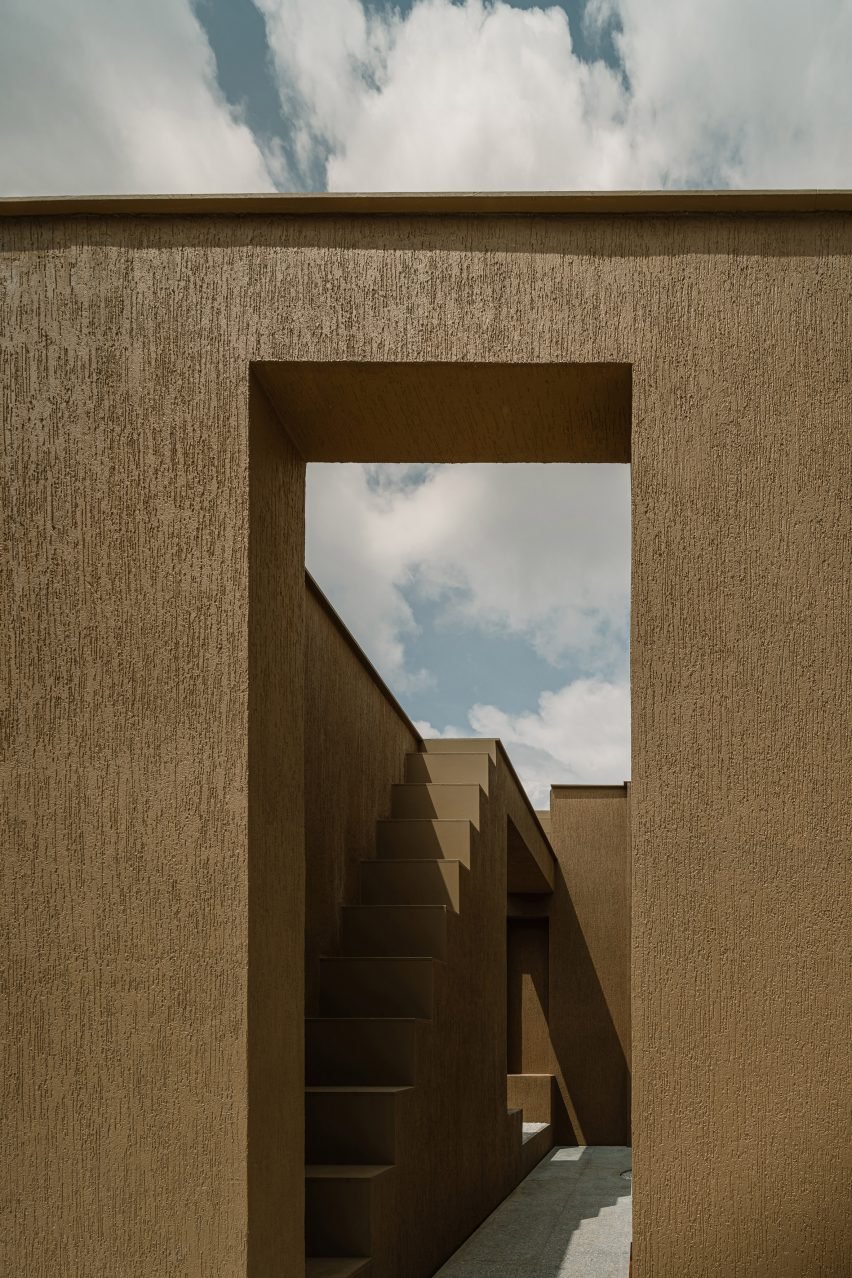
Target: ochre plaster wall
[
  {"x": 355, "y": 747},
  {"x": 590, "y": 835},
  {"x": 527, "y": 962},
  {"x": 125, "y": 346},
  {"x": 275, "y": 863},
  {"x": 590, "y": 959}
]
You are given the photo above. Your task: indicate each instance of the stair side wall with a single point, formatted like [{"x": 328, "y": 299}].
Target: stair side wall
[
  {"x": 460, "y": 1153},
  {"x": 355, "y": 747}
]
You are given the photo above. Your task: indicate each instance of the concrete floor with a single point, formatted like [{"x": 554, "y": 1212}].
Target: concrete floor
[{"x": 570, "y": 1218}]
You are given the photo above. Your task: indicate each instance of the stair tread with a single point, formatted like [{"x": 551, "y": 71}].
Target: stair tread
[
  {"x": 529, "y": 1131},
  {"x": 398, "y": 905},
  {"x": 407, "y": 1019},
  {"x": 358, "y": 1088},
  {"x": 415, "y": 860},
  {"x": 375, "y": 958},
  {"x": 335, "y": 1266},
  {"x": 346, "y": 1171},
  {"x": 453, "y": 754},
  {"x": 422, "y": 820},
  {"x": 440, "y": 785}
]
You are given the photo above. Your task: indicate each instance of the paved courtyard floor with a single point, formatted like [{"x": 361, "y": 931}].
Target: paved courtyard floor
[{"x": 570, "y": 1218}]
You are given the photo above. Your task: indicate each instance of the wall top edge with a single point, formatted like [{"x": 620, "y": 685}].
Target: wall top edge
[
  {"x": 614, "y": 787},
  {"x": 331, "y": 612},
  {"x": 474, "y": 203}
]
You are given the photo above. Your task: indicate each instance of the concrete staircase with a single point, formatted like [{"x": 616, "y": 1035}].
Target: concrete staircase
[{"x": 377, "y": 998}]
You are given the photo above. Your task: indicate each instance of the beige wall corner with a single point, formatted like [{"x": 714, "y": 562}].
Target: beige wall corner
[{"x": 276, "y": 847}]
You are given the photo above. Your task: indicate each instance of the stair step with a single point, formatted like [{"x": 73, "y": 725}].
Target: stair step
[
  {"x": 454, "y": 769},
  {"x": 351, "y": 1124},
  {"x": 385, "y": 986},
  {"x": 531, "y": 1130},
  {"x": 337, "y": 1267},
  {"x": 412, "y": 882},
  {"x": 421, "y": 838},
  {"x": 339, "y": 1208},
  {"x": 381, "y": 1050},
  {"x": 434, "y": 801},
  {"x": 394, "y": 929},
  {"x": 462, "y": 745}
]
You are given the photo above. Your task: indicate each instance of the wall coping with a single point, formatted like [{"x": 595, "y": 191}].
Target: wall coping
[{"x": 466, "y": 204}]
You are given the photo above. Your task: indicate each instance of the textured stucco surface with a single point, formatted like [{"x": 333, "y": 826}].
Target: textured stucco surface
[
  {"x": 590, "y": 959},
  {"x": 275, "y": 863},
  {"x": 569, "y": 969},
  {"x": 590, "y": 834},
  {"x": 125, "y": 352},
  {"x": 355, "y": 747}
]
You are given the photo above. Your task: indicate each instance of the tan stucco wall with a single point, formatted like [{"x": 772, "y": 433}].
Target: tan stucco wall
[
  {"x": 590, "y": 958},
  {"x": 275, "y": 860},
  {"x": 125, "y": 347},
  {"x": 590, "y": 835},
  {"x": 355, "y": 747}
]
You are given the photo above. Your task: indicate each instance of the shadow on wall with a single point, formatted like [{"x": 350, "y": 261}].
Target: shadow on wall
[
  {"x": 568, "y": 1218},
  {"x": 592, "y": 1073},
  {"x": 559, "y": 1023}
]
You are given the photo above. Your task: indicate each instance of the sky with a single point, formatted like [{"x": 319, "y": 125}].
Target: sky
[{"x": 494, "y": 600}]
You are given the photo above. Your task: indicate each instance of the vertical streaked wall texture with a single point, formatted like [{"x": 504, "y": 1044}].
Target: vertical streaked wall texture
[{"x": 127, "y": 893}]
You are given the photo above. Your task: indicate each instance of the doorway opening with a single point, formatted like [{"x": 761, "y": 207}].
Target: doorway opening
[{"x": 383, "y": 415}]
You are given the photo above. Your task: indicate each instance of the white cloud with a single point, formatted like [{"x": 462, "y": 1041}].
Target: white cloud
[
  {"x": 755, "y": 94},
  {"x": 350, "y": 551},
  {"x": 580, "y": 734},
  {"x": 449, "y": 96},
  {"x": 577, "y": 735},
  {"x": 484, "y": 95},
  {"x": 429, "y": 732},
  {"x": 110, "y": 96},
  {"x": 536, "y": 551}
]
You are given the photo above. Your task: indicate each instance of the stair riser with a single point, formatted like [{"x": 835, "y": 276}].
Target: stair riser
[
  {"x": 411, "y": 883},
  {"x": 421, "y": 840},
  {"x": 371, "y": 1053},
  {"x": 393, "y": 930},
  {"x": 339, "y": 1217},
  {"x": 326, "y": 1268},
  {"x": 448, "y": 769},
  {"x": 437, "y": 802},
  {"x": 462, "y": 745},
  {"x": 360, "y": 987},
  {"x": 354, "y": 1128}
]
